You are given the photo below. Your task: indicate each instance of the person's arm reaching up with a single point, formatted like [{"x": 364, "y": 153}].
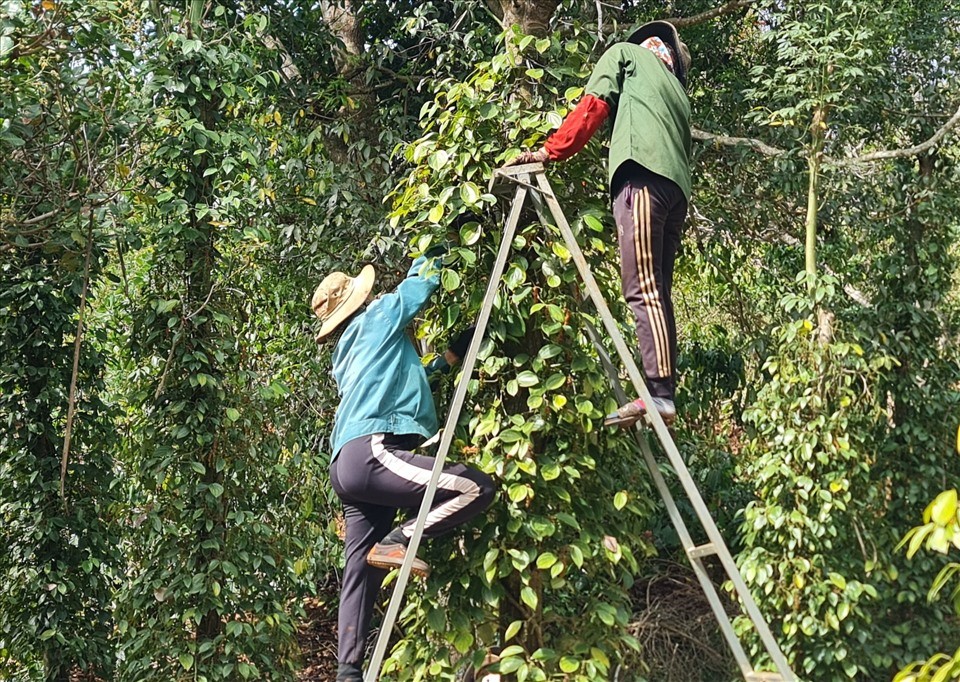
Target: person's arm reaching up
[
  {"x": 601, "y": 98},
  {"x": 403, "y": 304},
  {"x": 577, "y": 128}
]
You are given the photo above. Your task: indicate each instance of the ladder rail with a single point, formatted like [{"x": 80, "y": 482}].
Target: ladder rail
[
  {"x": 453, "y": 415},
  {"x": 706, "y": 584},
  {"x": 660, "y": 428}
]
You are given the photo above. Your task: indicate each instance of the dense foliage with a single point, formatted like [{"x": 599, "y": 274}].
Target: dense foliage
[{"x": 178, "y": 176}]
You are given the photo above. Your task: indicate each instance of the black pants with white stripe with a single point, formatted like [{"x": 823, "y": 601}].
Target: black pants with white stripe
[
  {"x": 374, "y": 476},
  {"x": 649, "y": 211}
]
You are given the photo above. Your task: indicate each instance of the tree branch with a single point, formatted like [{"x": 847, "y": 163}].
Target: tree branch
[
  {"x": 915, "y": 150},
  {"x": 757, "y": 145},
  {"x": 726, "y": 8}
]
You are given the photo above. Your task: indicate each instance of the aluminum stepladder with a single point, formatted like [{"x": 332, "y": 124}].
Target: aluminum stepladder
[{"x": 541, "y": 192}]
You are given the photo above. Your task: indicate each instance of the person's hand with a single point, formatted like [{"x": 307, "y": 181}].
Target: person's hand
[
  {"x": 538, "y": 156},
  {"x": 437, "y": 250},
  {"x": 458, "y": 347}
]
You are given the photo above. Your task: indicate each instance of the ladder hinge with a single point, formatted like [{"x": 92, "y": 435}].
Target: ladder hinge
[{"x": 701, "y": 550}]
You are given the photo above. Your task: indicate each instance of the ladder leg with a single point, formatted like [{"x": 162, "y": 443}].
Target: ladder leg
[
  {"x": 663, "y": 434},
  {"x": 456, "y": 404},
  {"x": 706, "y": 584}
]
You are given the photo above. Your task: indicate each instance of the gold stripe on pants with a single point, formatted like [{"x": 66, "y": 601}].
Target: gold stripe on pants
[{"x": 643, "y": 245}]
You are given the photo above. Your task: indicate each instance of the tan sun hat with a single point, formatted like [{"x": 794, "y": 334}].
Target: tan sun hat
[{"x": 339, "y": 296}]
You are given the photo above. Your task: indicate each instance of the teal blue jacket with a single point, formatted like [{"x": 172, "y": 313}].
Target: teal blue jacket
[{"x": 382, "y": 382}]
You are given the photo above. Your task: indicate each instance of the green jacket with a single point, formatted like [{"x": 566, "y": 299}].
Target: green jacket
[
  {"x": 650, "y": 110},
  {"x": 382, "y": 383}
]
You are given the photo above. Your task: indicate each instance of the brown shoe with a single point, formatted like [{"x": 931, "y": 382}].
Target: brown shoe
[{"x": 391, "y": 556}]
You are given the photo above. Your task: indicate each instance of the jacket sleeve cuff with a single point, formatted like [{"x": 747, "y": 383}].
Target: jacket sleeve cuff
[{"x": 577, "y": 128}]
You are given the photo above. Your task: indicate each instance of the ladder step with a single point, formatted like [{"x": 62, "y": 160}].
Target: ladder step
[
  {"x": 702, "y": 550},
  {"x": 754, "y": 676}
]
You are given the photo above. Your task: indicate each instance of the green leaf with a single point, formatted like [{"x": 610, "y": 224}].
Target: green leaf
[
  {"x": 436, "y": 213},
  {"x": 561, "y": 251},
  {"x": 838, "y": 580},
  {"x": 568, "y": 664},
  {"x": 186, "y": 660},
  {"x": 546, "y": 560},
  {"x": 555, "y": 381},
  {"x": 463, "y": 642},
  {"x": 528, "y": 596},
  {"x": 450, "y": 280},
  {"x": 527, "y": 379},
  {"x": 620, "y": 500},
  {"x": 517, "y": 492},
  {"x": 513, "y": 649},
  {"x": 551, "y": 471},
  {"x": 233, "y": 414},
  {"x": 470, "y": 233},
  {"x": 593, "y": 223},
  {"x": 438, "y": 159},
  {"x": 600, "y": 657},
  {"x": 944, "y": 508},
  {"x": 510, "y": 436},
  {"x": 551, "y": 350},
  {"x": 512, "y": 630},
  {"x": 469, "y": 193},
  {"x": 436, "y": 620},
  {"x": 509, "y": 665}
]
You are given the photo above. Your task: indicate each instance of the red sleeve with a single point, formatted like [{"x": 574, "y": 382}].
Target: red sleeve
[{"x": 577, "y": 128}]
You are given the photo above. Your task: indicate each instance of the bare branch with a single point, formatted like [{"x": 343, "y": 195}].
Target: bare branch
[
  {"x": 726, "y": 8},
  {"x": 915, "y": 150},
  {"x": 757, "y": 145}
]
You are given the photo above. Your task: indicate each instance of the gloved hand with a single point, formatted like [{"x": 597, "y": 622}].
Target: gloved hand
[
  {"x": 437, "y": 250},
  {"x": 538, "y": 156},
  {"x": 460, "y": 344}
]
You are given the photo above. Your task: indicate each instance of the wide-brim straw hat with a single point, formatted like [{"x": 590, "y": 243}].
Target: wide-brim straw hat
[
  {"x": 339, "y": 296},
  {"x": 666, "y": 32}
]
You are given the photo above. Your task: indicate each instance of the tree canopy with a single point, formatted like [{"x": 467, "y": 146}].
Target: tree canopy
[{"x": 178, "y": 176}]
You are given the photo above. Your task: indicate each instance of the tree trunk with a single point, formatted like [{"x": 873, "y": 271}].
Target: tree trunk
[
  {"x": 532, "y": 16},
  {"x": 817, "y": 130},
  {"x": 344, "y": 22}
]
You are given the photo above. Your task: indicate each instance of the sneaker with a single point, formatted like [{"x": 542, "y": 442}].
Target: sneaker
[
  {"x": 391, "y": 556},
  {"x": 629, "y": 414}
]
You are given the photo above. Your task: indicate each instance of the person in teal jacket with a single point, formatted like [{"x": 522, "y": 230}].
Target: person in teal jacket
[{"x": 386, "y": 410}]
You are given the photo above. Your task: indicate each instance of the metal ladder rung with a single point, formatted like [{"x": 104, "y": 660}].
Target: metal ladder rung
[{"x": 698, "y": 551}]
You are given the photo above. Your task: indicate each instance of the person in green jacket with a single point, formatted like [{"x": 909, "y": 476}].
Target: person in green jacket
[
  {"x": 386, "y": 410},
  {"x": 640, "y": 83}
]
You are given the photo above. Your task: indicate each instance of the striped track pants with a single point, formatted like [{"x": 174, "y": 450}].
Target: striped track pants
[
  {"x": 374, "y": 476},
  {"x": 649, "y": 211}
]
